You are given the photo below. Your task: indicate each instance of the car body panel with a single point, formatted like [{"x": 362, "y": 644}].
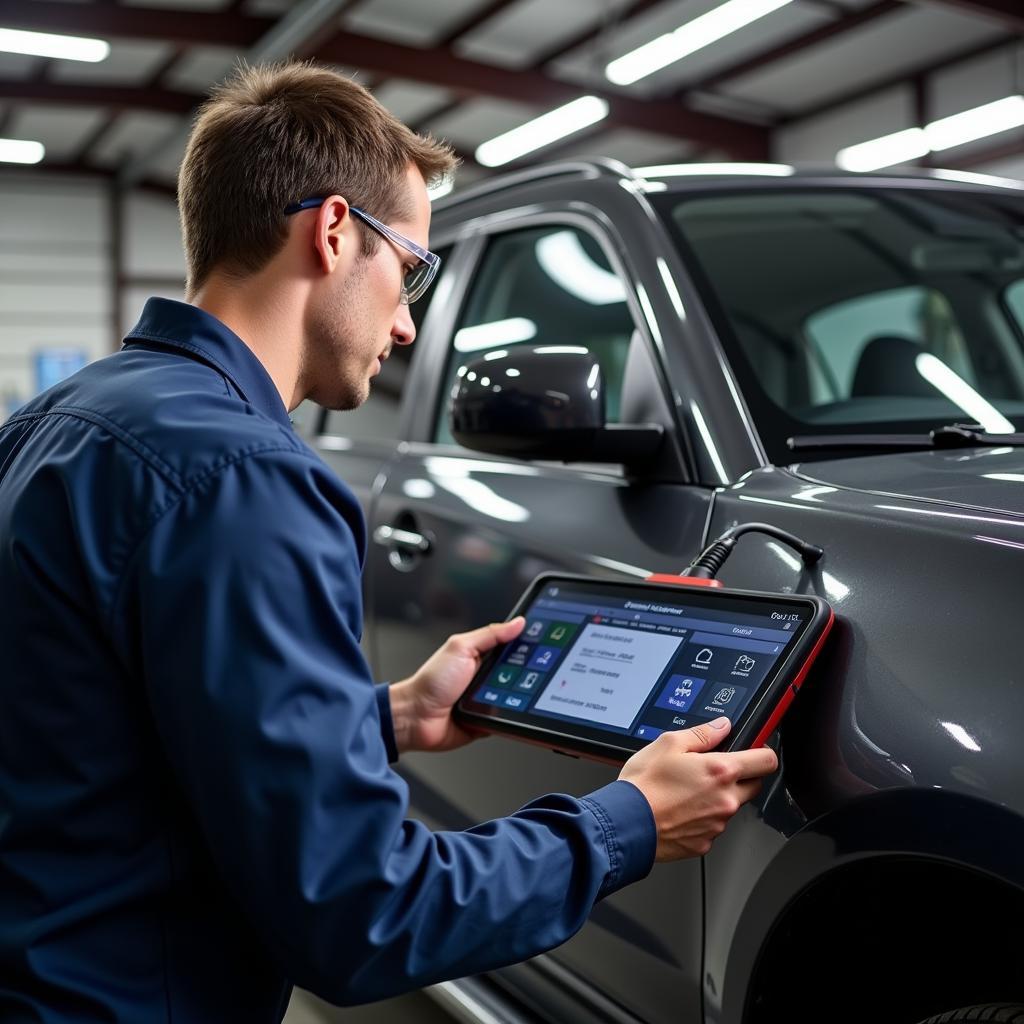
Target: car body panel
[{"x": 905, "y": 741}]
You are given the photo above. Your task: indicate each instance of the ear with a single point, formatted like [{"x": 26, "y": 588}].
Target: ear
[{"x": 329, "y": 232}]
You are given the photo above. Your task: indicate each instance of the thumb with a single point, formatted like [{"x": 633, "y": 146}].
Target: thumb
[
  {"x": 707, "y": 736},
  {"x": 486, "y": 637}
]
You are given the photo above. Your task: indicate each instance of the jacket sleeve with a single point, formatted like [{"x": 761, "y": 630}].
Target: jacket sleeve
[{"x": 243, "y": 605}]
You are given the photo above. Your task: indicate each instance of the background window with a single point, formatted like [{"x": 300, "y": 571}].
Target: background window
[{"x": 543, "y": 286}]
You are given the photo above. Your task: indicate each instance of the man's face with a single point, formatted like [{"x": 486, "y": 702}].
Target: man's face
[{"x": 358, "y": 314}]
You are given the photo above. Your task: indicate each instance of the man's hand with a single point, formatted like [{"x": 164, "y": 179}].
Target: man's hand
[
  {"x": 421, "y": 706},
  {"x": 693, "y": 794}
]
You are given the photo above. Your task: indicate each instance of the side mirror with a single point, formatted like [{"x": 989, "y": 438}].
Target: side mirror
[{"x": 544, "y": 402}]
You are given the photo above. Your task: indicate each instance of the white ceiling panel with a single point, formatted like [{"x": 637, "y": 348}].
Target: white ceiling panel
[
  {"x": 896, "y": 43},
  {"x": 735, "y": 109},
  {"x": 411, "y": 101},
  {"x": 586, "y": 64},
  {"x": 18, "y": 65},
  {"x": 129, "y": 63},
  {"x": 60, "y": 129},
  {"x": 200, "y": 68},
  {"x": 525, "y": 31},
  {"x": 477, "y": 121},
  {"x": 633, "y": 148},
  {"x": 415, "y": 24},
  {"x": 133, "y": 134}
]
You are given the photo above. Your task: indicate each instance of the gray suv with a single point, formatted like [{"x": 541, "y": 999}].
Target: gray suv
[{"x": 841, "y": 356}]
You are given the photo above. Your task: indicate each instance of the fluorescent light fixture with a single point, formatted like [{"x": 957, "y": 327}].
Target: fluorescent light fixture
[
  {"x": 960, "y": 393},
  {"x": 947, "y": 132},
  {"x": 541, "y": 131},
  {"x": 21, "y": 151},
  {"x": 990, "y": 119},
  {"x": 688, "y": 38},
  {"x": 897, "y": 148},
  {"x": 566, "y": 262},
  {"x": 497, "y": 332},
  {"x": 674, "y": 170},
  {"x": 44, "y": 44},
  {"x": 442, "y": 188}
]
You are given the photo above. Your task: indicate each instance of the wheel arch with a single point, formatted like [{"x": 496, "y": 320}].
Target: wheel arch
[{"x": 868, "y": 889}]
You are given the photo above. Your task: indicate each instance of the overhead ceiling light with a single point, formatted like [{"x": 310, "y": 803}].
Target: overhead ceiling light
[
  {"x": 21, "y": 151},
  {"x": 541, "y": 131},
  {"x": 989, "y": 119},
  {"x": 44, "y": 44},
  {"x": 442, "y": 188},
  {"x": 566, "y": 262},
  {"x": 892, "y": 149},
  {"x": 945, "y": 133},
  {"x": 688, "y": 38},
  {"x": 674, "y": 170}
]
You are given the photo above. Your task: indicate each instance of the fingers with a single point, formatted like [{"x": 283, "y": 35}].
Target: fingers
[
  {"x": 704, "y": 737},
  {"x": 753, "y": 764}
]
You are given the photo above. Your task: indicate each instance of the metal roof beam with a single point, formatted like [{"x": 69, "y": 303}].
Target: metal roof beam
[
  {"x": 471, "y": 78},
  {"x": 435, "y": 65},
  {"x": 116, "y": 97}
]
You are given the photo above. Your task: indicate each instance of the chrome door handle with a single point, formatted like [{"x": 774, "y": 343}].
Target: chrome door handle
[{"x": 406, "y": 540}]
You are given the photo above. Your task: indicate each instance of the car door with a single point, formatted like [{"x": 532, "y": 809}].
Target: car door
[{"x": 474, "y": 530}]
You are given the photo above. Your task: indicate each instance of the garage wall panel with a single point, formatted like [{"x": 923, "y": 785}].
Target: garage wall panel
[
  {"x": 56, "y": 271},
  {"x": 819, "y": 138}
]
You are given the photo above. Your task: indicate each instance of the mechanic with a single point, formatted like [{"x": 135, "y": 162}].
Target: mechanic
[{"x": 197, "y": 807}]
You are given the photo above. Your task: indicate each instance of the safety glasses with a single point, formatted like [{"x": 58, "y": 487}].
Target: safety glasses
[{"x": 417, "y": 279}]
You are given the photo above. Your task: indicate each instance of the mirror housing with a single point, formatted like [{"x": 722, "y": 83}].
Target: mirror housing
[{"x": 544, "y": 402}]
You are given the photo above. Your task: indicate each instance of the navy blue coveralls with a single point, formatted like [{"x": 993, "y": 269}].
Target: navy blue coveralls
[{"x": 196, "y": 803}]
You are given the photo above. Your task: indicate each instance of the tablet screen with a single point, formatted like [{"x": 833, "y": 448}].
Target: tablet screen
[{"x": 599, "y": 658}]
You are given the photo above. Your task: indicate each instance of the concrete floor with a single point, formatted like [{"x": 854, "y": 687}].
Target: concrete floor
[{"x": 411, "y": 1009}]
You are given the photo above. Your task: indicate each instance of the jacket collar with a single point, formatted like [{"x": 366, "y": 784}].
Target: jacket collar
[{"x": 200, "y": 335}]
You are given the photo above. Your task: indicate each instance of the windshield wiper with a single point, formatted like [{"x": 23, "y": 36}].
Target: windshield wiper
[{"x": 955, "y": 435}]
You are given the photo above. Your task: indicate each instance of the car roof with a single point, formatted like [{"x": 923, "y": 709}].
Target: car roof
[{"x": 689, "y": 177}]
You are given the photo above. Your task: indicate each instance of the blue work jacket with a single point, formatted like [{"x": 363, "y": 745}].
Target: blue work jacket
[{"x": 197, "y": 807}]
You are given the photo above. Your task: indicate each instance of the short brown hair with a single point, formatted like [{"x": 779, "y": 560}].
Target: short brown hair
[{"x": 277, "y": 133}]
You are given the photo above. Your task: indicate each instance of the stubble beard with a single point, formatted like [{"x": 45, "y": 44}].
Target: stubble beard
[{"x": 335, "y": 383}]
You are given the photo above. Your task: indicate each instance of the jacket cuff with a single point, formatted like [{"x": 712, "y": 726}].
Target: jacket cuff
[
  {"x": 387, "y": 728},
  {"x": 629, "y": 832}
]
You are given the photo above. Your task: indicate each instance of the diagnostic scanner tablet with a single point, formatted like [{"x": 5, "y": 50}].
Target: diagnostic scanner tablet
[{"x": 603, "y": 668}]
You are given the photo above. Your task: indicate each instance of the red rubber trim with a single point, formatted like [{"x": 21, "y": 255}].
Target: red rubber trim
[
  {"x": 682, "y": 581},
  {"x": 791, "y": 690}
]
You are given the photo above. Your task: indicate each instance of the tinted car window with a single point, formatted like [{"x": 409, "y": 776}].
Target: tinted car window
[
  {"x": 826, "y": 302},
  {"x": 543, "y": 286},
  {"x": 839, "y": 364},
  {"x": 377, "y": 417}
]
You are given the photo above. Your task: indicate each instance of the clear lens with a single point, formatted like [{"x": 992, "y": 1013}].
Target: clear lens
[{"x": 417, "y": 281}]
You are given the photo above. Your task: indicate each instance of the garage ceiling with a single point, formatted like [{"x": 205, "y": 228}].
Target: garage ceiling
[{"x": 468, "y": 69}]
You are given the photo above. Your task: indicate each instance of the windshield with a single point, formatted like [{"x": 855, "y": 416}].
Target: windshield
[{"x": 863, "y": 311}]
